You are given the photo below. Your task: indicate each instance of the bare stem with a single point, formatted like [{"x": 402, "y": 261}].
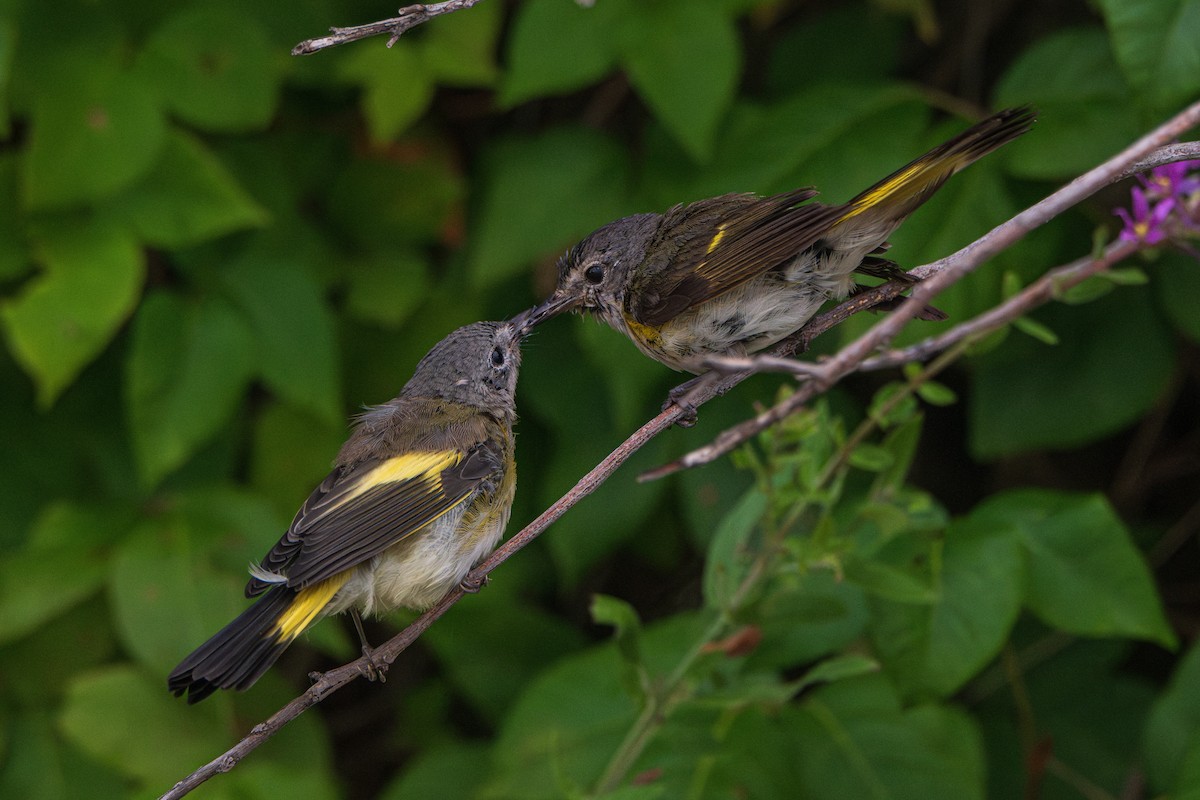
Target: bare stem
[
  {"x": 1140, "y": 156},
  {"x": 406, "y": 18}
]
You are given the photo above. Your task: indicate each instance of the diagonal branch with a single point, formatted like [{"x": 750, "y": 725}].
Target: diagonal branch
[{"x": 1139, "y": 156}]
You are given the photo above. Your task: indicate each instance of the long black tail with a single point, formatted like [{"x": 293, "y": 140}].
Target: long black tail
[{"x": 239, "y": 653}]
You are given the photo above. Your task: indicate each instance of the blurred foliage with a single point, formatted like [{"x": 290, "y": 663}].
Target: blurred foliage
[{"x": 213, "y": 253}]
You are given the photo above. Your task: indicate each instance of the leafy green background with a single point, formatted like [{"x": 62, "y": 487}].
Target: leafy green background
[{"x": 213, "y": 253}]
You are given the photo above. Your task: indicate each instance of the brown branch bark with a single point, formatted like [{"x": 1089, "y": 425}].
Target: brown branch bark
[
  {"x": 406, "y": 18},
  {"x": 1140, "y": 156}
]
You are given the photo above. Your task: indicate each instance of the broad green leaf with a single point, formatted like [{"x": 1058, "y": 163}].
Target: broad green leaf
[
  {"x": 609, "y": 610},
  {"x": 729, "y": 557},
  {"x": 388, "y": 204},
  {"x": 292, "y": 329},
  {"x": 1173, "y": 727},
  {"x": 813, "y": 50},
  {"x": 491, "y": 648},
  {"x": 214, "y": 68},
  {"x": 186, "y": 198},
  {"x": 452, "y": 770},
  {"x": 538, "y": 195},
  {"x": 684, "y": 58},
  {"x": 858, "y": 743},
  {"x": 92, "y": 273},
  {"x": 1085, "y": 575},
  {"x": 889, "y": 582},
  {"x": 558, "y": 46},
  {"x": 387, "y": 288},
  {"x": 40, "y": 766},
  {"x": 123, "y": 719},
  {"x": 1027, "y": 396},
  {"x": 96, "y": 133},
  {"x": 1176, "y": 282},
  {"x": 459, "y": 49},
  {"x": 397, "y": 87},
  {"x": 1157, "y": 46},
  {"x": 292, "y": 452},
  {"x": 569, "y": 720},
  {"x": 801, "y": 622},
  {"x": 1086, "y": 111},
  {"x": 189, "y": 364},
  {"x": 62, "y": 564},
  {"x": 934, "y": 649}
]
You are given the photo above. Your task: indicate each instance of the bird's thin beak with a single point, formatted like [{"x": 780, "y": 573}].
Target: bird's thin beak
[{"x": 554, "y": 304}]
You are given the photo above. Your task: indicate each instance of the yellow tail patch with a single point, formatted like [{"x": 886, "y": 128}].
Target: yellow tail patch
[{"x": 307, "y": 606}]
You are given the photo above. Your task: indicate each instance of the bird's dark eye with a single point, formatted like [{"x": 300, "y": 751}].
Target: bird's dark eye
[
  {"x": 497, "y": 357},
  {"x": 594, "y": 274}
]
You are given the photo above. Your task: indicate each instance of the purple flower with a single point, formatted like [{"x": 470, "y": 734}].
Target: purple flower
[
  {"x": 1172, "y": 180},
  {"x": 1146, "y": 223}
]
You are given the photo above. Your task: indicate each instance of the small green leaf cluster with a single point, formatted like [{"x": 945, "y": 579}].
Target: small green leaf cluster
[{"x": 212, "y": 254}]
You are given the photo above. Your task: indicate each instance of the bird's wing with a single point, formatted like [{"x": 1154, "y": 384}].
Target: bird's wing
[
  {"x": 357, "y": 513},
  {"x": 706, "y": 248}
]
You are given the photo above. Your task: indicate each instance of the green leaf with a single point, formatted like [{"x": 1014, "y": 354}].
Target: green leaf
[
  {"x": 397, "y": 87},
  {"x": 858, "y": 743},
  {"x": 385, "y": 289},
  {"x": 387, "y": 204},
  {"x": 459, "y": 49},
  {"x": 1172, "y": 732},
  {"x": 1177, "y": 282},
  {"x": 888, "y": 582},
  {"x": 728, "y": 557},
  {"x": 7, "y": 42},
  {"x": 1036, "y": 330},
  {"x": 122, "y": 718},
  {"x": 937, "y": 394},
  {"x": 557, "y": 204},
  {"x": 189, "y": 364},
  {"x": 214, "y": 68},
  {"x": 1086, "y": 111},
  {"x": 558, "y": 46},
  {"x": 62, "y": 564},
  {"x": 451, "y": 770},
  {"x": 608, "y": 610},
  {"x": 492, "y": 648},
  {"x": 187, "y": 198},
  {"x": 1085, "y": 575},
  {"x": 835, "y": 669},
  {"x": 1025, "y": 396},
  {"x": 292, "y": 329},
  {"x": 870, "y": 458},
  {"x": 95, "y": 134},
  {"x": 806, "y": 620},
  {"x": 40, "y": 766},
  {"x": 934, "y": 649},
  {"x": 684, "y": 59},
  {"x": 292, "y": 452},
  {"x": 1157, "y": 47},
  {"x": 570, "y": 719},
  {"x": 92, "y": 273}
]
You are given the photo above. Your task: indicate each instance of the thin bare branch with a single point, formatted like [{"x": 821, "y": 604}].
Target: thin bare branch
[
  {"x": 406, "y": 18},
  {"x": 329, "y": 682}
]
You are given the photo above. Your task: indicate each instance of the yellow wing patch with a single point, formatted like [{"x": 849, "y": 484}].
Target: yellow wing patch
[
  {"x": 307, "y": 606},
  {"x": 716, "y": 240},
  {"x": 405, "y": 467}
]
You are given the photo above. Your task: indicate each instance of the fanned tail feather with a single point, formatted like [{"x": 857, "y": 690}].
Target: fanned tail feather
[{"x": 238, "y": 654}]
